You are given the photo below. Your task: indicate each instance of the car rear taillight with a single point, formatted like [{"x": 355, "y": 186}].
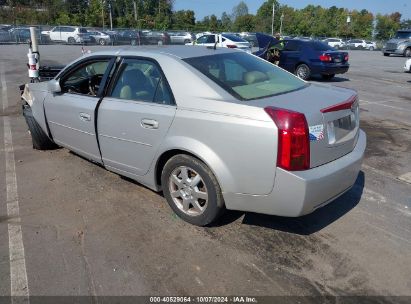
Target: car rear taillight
[
  {"x": 326, "y": 58},
  {"x": 345, "y": 105},
  {"x": 293, "y": 139},
  {"x": 231, "y": 46},
  {"x": 346, "y": 57}
]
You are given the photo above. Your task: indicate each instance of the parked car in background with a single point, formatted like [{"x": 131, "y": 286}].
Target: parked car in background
[
  {"x": 100, "y": 38},
  {"x": 155, "y": 37},
  {"x": 198, "y": 35},
  {"x": 280, "y": 145},
  {"x": 357, "y": 44},
  {"x": 68, "y": 34},
  {"x": 400, "y": 44},
  {"x": 250, "y": 37},
  {"x": 304, "y": 58},
  {"x": 371, "y": 45},
  {"x": 131, "y": 37},
  {"x": 336, "y": 43},
  {"x": 22, "y": 34},
  {"x": 181, "y": 37},
  {"x": 407, "y": 66},
  {"x": 224, "y": 40}
]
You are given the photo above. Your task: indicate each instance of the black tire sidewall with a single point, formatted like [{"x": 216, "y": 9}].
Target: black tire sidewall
[{"x": 215, "y": 200}]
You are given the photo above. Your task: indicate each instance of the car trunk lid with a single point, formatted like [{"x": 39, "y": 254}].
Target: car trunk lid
[{"x": 332, "y": 116}]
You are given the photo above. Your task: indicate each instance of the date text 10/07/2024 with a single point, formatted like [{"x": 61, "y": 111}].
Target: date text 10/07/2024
[{"x": 203, "y": 299}]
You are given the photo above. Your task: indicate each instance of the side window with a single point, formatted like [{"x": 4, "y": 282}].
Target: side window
[
  {"x": 202, "y": 39},
  {"x": 210, "y": 39},
  {"x": 292, "y": 46},
  {"x": 56, "y": 29},
  {"x": 85, "y": 80},
  {"x": 141, "y": 80}
]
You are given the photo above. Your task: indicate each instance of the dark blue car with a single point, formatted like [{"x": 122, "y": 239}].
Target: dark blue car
[{"x": 304, "y": 58}]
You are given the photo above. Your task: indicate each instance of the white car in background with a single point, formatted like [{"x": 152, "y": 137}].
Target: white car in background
[
  {"x": 230, "y": 41},
  {"x": 68, "y": 34},
  {"x": 99, "y": 37},
  {"x": 407, "y": 66},
  {"x": 336, "y": 43},
  {"x": 371, "y": 45}
]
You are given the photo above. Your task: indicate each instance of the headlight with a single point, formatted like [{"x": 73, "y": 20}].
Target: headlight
[{"x": 401, "y": 46}]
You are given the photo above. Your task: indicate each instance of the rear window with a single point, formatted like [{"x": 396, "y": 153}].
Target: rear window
[
  {"x": 82, "y": 30},
  {"x": 233, "y": 38},
  {"x": 320, "y": 46},
  {"x": 246, "y": 77}
]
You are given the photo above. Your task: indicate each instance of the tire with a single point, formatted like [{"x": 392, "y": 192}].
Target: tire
[
  {"x": 186, "y": 41},
  {"x": 386, "y": 54},
  {"x": 102, "y": 42},
  {"x": 71, "y": 40},
  {"x": 303, "y": 71},
  {"x": 407, "y": 52},
  {"x": 201, "y": 209},
  {"x": 328, "y": 77},
  {"x": 40, "y": 140},
  {"x": 371, "y": 48},
  {"x": 133, "y": 42}
]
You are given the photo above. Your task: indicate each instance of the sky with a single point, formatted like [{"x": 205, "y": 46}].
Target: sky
[{"x": 217, "y": 7}]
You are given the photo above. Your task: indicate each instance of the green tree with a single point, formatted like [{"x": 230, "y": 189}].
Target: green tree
[
  {"x": 226, "y": 23},
  {"x": 387, "y": 25},
  {"x": 241, "y": 9},
  {"x": 245, "y": 23}
]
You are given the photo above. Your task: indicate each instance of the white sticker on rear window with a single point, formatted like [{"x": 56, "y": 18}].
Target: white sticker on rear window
[{"x": 316, "y": 132}]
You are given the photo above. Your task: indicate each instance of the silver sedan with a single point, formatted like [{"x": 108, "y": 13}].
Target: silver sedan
[{"x": 213, "y": 129}]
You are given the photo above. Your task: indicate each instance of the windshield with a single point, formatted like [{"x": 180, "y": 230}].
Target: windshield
[
  {"x": 245, "y": 76},
  {"x": 403, "y": 35}
]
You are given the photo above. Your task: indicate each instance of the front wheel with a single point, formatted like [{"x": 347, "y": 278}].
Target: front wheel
[
  {"x": 303, "y": 71},
  {"x": 371, "y": 48},
  {"x": 102, "y": 42},
  {"x": 386, "y": 54},
  {"x": 192, "y": 190},
  {"x": 71, "y": 40},
  {"x": 133, "y": 42},
  {"x": 407, "y": 52}
]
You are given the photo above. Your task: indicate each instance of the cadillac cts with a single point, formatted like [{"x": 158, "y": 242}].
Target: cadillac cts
[{"x": 213, "y": 129}]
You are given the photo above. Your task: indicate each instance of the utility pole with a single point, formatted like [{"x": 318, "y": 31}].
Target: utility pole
[
  {"x": 281, "y": 24},
  {"x": 111, "y": 17},
  {"x": 272, "y": 21},
  {"x": 135, "y": 11},
  {"x": 102, "y": 11}
]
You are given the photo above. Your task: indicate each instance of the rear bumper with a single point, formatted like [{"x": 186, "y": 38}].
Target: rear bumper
[
  {"x": 299, "y": 193},
  {"x": 329, "y": 69}
]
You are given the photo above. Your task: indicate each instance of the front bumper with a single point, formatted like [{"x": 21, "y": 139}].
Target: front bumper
[
  {"x": 396, "y": 51},
  {"x": 299, "y": 193}
]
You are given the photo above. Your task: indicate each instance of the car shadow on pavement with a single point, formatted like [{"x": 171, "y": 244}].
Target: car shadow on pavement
[
  {"x": 315, "y": 221},
  {"x": 335, "y": 79}
]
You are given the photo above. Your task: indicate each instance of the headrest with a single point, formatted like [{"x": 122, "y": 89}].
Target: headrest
[{"x": 254, "y": 76}]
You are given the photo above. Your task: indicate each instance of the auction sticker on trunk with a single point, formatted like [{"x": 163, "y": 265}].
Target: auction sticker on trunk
[{"x": 316, "y": 132}]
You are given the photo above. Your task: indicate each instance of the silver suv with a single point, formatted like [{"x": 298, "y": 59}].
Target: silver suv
[
  {"x": 177, "y": 37},
  {"x": 399, "y": 45}
]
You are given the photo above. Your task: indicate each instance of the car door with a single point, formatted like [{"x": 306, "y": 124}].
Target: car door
[
  {"x": 290, "y": 55},
  {"x": 71, "y": 113},
  {"x": 55, "y": 34},
  {"x": 135, "y": 117}
]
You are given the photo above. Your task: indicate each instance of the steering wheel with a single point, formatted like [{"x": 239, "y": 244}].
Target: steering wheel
[
  {"x": 93, "y": 84},
  {"x": 71, "y": 89}
]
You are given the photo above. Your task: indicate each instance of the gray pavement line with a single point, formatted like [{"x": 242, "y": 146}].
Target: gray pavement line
[
  {"x": 384, "y": 105},
  {"x": 18, "y": 273},
  {"x": 4, "y": 97}
]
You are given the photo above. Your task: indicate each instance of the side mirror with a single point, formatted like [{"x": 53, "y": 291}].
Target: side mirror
[{"x": 54, "y": 86}]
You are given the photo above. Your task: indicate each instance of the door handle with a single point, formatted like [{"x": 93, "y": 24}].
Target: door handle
[
  {"x": 149, "y": 123},
  {"x": 85, "y": 116}
]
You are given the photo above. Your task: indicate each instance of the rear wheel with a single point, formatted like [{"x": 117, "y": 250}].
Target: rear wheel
[
  {"x": 133, "y": 42},
  {"x": 71, "y": 40},
  {"x": 102, "y": 42},
  {"x": 407, "y": 52},
  {"x": 328, "y": 77},
  {"x": 303, "y": 71},
  {"x": 192, "y": 190},
  {"x": 40, "y": 140},
  {"x": 371, "y": 48}
]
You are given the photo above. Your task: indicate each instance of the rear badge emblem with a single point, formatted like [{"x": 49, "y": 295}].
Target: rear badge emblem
[{"x": 316, "y": 132}]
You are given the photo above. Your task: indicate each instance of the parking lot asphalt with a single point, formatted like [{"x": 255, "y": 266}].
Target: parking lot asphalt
[{"x": 87, "y": 231}]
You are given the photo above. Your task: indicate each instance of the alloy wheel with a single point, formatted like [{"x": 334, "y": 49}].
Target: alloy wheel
[{"x": 188, "y": 191}]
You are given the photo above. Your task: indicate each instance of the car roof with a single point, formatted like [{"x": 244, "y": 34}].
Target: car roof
[{"x": 179, "y": 51}]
